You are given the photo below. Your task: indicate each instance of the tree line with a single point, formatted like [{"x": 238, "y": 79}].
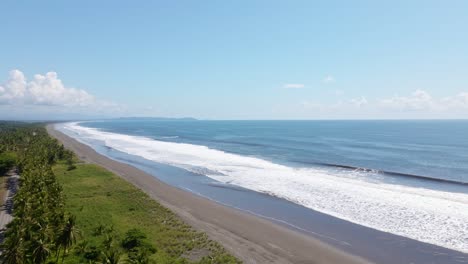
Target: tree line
[{"x": 41, "y": 229}]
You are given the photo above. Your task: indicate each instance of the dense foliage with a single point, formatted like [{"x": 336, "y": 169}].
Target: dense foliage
[
  {"x": 7, "y": 161},
  {"x": 40, "y": 227},
  {"x": 95, "y": 222}
]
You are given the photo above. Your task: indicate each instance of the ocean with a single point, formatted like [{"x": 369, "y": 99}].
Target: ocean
[{"x": 407, "y": 178}]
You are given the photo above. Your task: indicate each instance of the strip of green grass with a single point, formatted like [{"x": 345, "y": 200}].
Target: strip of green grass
[{"x": 99, "y": 199}]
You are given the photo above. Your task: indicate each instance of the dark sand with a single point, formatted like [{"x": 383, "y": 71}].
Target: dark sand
[{"x": 250, "y": 238}]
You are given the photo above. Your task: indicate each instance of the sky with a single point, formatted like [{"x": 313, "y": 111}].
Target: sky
[{"x": 234, "y": 59}]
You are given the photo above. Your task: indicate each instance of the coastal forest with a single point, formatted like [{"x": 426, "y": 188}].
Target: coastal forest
[{"x": 67, "y": 211}]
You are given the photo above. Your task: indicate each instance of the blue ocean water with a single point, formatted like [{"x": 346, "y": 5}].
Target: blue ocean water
[
  {"x": 436, "y": 149},
  {"x": 408, "y": 178}
]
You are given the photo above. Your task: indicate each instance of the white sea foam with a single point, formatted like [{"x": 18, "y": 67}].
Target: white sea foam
[{"x": 431, "y": 216}]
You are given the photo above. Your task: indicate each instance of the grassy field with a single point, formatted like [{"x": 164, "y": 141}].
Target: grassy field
[{"x": 106, "y": 207}]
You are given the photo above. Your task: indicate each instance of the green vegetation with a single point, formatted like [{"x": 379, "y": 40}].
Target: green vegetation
[
  {"x": 70, "y": 212},
  {"x": 40, "y": 227},
  {"x": 7, "y": 161},
  {"x": 114, "y": 212}
]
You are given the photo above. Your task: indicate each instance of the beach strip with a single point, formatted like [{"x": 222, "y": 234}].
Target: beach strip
[{"x": 250, "y": 238}]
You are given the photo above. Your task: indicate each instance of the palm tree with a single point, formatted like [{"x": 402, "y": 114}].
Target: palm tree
[
  {"x": 40, "y": 251},
  {"x": 112, "y": 256},
  {"x": 81, "y": 247},
  {"x": 13, "y": 251},
  {"x": 39, "y": 218},
  {"x": 68, "y": 235},
  {"x": 140, "y": 256}
]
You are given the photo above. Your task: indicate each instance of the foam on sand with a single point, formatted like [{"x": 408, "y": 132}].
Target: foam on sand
[{"x": 427, "y": 215}]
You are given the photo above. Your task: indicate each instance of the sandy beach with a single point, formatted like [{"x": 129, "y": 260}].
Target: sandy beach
[{"x": 250, "y": 238}]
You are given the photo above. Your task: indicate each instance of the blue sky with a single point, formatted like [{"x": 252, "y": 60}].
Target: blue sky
[{"x": 234, "y": 59}]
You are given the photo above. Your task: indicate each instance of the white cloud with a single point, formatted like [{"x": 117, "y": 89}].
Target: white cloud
[
  {"x": 421, "y": 100},
  {"x": 15, "y": 87},
  {"x": 419, "y": 104},
  {"x": 418, "y": 100},
  {"x": 359, "y": 102},
  {"x": 328, "y": 79},
  {"x": 458, "y": 101},
  {"x": 46, "y": 97},
  {"x": 293, "y": 85},
  {"x": 42, "y": 90}
]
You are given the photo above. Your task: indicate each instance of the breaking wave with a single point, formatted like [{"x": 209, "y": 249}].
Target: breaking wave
[{"x": 429, "y": 215}]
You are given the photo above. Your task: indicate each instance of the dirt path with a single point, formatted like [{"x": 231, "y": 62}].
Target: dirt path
[{"x": 6, "y": 210}]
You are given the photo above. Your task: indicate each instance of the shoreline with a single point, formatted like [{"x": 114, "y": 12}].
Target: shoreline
[{"x": 250, "y": 238}]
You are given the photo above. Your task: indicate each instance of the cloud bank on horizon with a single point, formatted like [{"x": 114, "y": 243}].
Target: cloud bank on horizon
[
  {"x": 47, "y": 94},
  {"x": 418, "y": 101},
  {"x": 42, "y": 90}
]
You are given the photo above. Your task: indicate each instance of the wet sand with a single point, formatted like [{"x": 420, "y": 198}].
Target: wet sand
[{"x": 250, "y": 238}]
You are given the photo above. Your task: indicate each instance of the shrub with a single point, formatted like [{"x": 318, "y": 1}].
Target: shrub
[
  {"x": 92, "y": 253},
  {"x": 133, "y": 238},
  {"x": 139, "y": 250}
]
